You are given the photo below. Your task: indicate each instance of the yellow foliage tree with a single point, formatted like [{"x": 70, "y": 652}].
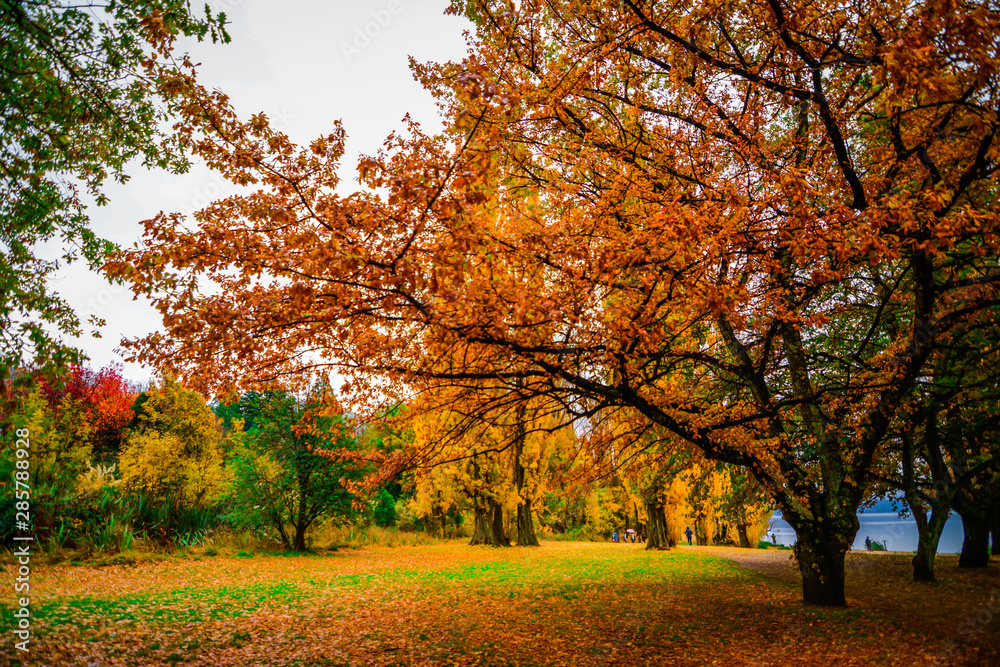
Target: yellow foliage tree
[
  {"x": 173, "y": 454},
  {"x": 60, "y": 440}
]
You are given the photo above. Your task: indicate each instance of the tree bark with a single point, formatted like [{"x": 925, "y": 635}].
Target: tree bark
[
  {"x": 300, "y": 537},
  {"x": 485, "y": 510},
  {"x": 929, "y": 534},
  {"x": 485, "y": 530},
  {"x": 975, "y": 546},
  {"x": 820, "y": 548},
  {"x": 822, "y": 569},
  {"x": 526, "y": 536},
  {"x": 741, "y": 530},
  {"x": 498, "y": 530},
  {"x": 656, "y": 523}
]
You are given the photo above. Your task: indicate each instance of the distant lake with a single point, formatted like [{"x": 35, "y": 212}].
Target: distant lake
[{"x": 885, "y": 527}]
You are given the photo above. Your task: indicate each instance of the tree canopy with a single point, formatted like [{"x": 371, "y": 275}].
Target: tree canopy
[{"x": 746, "y": 226}]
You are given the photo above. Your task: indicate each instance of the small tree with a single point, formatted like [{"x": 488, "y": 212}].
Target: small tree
[
  {"x": 60, "y": 449},
  {"x": 285, "y": 471},
  {"x": 385, "y": 510}
]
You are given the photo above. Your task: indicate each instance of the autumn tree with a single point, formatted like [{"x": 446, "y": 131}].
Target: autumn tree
[
  {"x": 286, "y": 471},
  {"x": 79, "y": 100},
  {"x": 462, "y": 461},
  {"x": 944, "y": 450},
  {"x": 105, "y": 400},
  {"x": 171, "y": 461},
  {"x": 663, "y": 493},
  {"x": 743, "y": 506},
  {"x": 61, "y": 450},
  {"x": 747, "y": 224}
]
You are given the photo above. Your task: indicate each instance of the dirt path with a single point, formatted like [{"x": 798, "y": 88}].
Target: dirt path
[
  {"x": 772, "y": 562},
  {"x": 963, "y": 604}
]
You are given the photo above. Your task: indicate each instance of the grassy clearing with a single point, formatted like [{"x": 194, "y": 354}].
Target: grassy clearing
[{"x": 563, "y": 603}]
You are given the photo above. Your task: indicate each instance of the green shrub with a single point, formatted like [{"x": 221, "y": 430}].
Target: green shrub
[{"x": 385, "y": 510}]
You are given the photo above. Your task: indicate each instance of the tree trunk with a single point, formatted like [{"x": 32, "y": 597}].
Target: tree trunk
[
  {"x": 822, "y": 569},
  {"x": 975, "y": 546},
  {"x": 700, "y": 533},
  {"x": 929, "y": 534},
  {"x": 741, "y": 530},
  {"x": 498, "y": 530},
  {"x": 525, "y": 526},
  {"x": 656, "y": 522},
  {"x": 485, "y": 531},
  {"x": 820, "y": 548},
  {"x": 300, "y": 537},
  {"x": 280, "y": 525}
]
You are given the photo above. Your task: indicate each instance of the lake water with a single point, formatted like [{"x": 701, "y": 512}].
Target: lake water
[{"x": 886, "y": 527}]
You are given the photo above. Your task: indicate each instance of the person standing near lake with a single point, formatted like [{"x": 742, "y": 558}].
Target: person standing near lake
[{"x": 868, "y": 543}]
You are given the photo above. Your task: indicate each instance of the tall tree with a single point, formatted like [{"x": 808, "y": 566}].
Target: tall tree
[
  {"x": 746, "y": 223},
  {"x": 79, "y": 99},
  {"x": 947, "y": 453}
]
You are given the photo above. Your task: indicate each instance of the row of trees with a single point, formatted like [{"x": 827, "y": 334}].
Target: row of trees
[
  {"x": 536, "y": 474},
  {"x": 109, "y": 463}
]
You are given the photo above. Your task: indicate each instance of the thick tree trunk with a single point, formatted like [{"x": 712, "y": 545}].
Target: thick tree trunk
[
  {"x": 741, "y": 530},
  {"x": 656, "y": 523},
  {"x": 822, "y": 569},
  {"x": 820, "y": 548},
  {"x": 498, "y": 530},
  {"x": 485, "y": 530},
  {"x": 975, "y": 546},
  {"x": 300, "y": 537},
  {"x": 525, "y": 526}
]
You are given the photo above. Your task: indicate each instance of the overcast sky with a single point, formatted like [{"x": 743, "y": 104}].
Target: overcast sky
[{"x": 305, "y": 63}]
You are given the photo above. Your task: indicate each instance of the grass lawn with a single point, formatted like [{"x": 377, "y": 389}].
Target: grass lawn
[{"x": 563, "y": 603}]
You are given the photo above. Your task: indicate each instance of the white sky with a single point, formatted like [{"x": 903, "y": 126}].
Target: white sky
[{"x": 305, "y": 63}]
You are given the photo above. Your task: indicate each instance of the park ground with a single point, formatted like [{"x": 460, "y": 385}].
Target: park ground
[{"x": 450, "y": 604}]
